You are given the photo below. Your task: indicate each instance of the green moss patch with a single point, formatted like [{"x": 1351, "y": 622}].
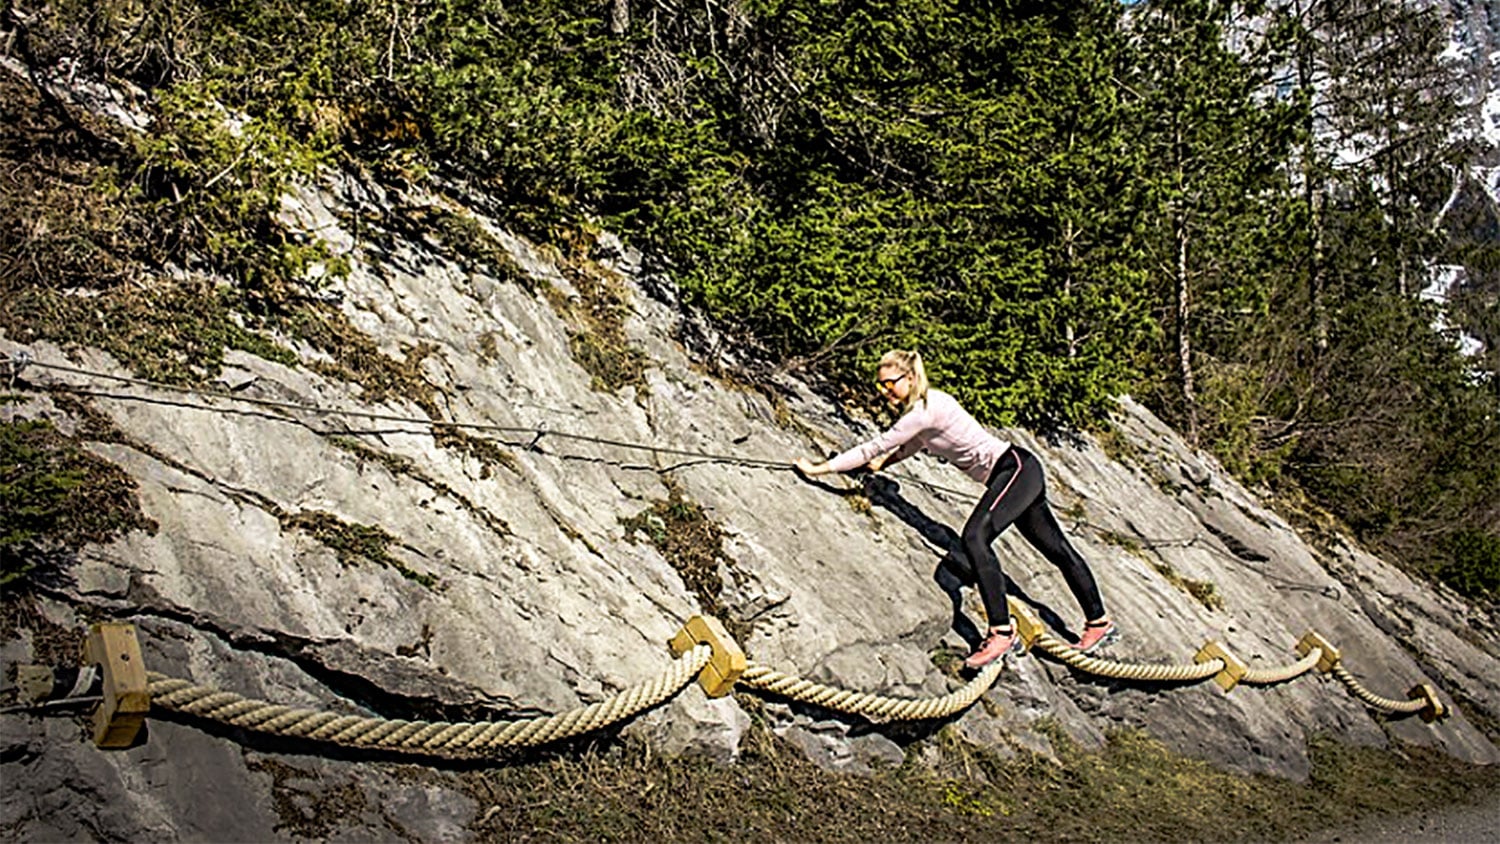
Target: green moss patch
[
  {"x": 352, "y": 542},
  {"x": 693, "y": 544},
  {"x": 172, "y": 333},
  {"x": 354, "y": 358},
  {"x": 469, "y": 243},
  {"x": 489, "y": 455},
  {"x": 54, "y": 493},
  {"x": 1202, "y": 591}
]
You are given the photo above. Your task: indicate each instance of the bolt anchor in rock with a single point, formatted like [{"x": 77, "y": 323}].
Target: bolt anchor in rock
[{"x": 1435, "y": 710}]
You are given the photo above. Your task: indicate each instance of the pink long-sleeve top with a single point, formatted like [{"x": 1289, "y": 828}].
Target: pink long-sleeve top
[{"x": 942, "y": 428}]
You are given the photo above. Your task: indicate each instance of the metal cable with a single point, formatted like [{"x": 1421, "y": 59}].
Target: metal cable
[
  {"x": 396, "y": 418},
  {"x": 538, "y": 432}
]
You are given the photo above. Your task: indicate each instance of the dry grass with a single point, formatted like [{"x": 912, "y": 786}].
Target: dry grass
[
  {"x": 1133, "y": 790},
  {"x": 693, "y": 544},
  {"x": 596, "y": 319}
]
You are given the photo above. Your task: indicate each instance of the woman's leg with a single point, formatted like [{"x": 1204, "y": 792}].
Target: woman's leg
[
  {"x": 1039, "y": 526},
  {"x": 1012, "y": 488}
]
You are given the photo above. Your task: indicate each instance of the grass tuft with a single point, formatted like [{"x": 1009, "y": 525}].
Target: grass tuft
[
  {"x": 352, "y": 542},
  {"x": 1133, "y": 789},
  {"x": 693, "y": 544},
  {"x": 56, "y": 494}
]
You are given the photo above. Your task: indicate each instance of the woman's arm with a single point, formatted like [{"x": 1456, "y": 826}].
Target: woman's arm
[
  {"x": 907, "y": 449},
  {"x": 897, "y": 443}
]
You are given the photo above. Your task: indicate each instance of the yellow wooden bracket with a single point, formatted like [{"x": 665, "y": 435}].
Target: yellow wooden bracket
[
  {"x": 1028, "y": 624},
  {"x": 1330, "y": 656},
  {"x": 114, "y": 648},
  {"x": 1436, "y": 710},
  {"x": 728, "y": 661},
  {"x": 1234, "y": 667}
]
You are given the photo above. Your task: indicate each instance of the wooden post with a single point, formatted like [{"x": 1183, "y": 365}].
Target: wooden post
[
  {"x": 1330, "y": 656},
  {"x": 1234, "y": 667},
  {"x": 1436, "y": 710},
  {"x": 113, "y": 647},
  {"x": 728, "y": 661},
  {"x": 1028, "y": 624}
]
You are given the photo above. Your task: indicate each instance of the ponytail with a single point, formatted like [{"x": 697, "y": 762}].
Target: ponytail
[{"x": 910, "y": 363}]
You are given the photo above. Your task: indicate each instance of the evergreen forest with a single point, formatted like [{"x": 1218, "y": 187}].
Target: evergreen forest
[{"x": 1228, "y": 210}]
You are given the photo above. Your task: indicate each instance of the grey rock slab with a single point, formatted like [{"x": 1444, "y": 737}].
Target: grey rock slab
[
  {"x": 694, "y": 725},
  {"x": 180, "y": 783}
]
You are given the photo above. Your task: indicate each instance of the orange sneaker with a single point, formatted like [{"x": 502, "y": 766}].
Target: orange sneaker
[
  {"x": 1097, "y": 634},
  {"x": 1000, "y": 641}
]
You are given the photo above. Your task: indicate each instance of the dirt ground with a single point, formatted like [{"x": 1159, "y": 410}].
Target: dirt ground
[{"x": 1464, "y": 823}]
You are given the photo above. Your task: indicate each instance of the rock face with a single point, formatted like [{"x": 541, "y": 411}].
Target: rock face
[{"x": 514, "y": 585}]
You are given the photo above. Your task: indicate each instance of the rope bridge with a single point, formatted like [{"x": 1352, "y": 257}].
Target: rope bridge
[{"x": 704, "y": 651}]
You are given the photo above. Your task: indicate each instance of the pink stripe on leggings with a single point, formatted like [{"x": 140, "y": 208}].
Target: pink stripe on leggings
[{"x": 1009, "y": 483}]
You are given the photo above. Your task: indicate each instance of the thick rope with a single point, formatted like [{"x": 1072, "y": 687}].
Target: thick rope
[
  {"x": 1373, "y": 700},
  {"x": 1272, "y": 676},
  {"x": 430, "y": 738},
  {"x": 877, "y": 708},
  {"x": 1072, "y": 657}
]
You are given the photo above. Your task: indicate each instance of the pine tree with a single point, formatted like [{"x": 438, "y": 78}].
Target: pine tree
[
  {"x": 1392, "y": 432},
  {"x": 1216, "y": 144}
]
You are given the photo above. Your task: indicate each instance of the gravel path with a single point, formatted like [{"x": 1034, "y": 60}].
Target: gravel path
[{"x": 1473, "y": 822}]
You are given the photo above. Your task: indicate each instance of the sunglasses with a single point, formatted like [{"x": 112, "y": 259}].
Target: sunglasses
[{"x": 887, "y": 383}]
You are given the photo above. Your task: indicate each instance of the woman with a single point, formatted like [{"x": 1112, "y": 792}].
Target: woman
[{"x": 1015, "y": 493}]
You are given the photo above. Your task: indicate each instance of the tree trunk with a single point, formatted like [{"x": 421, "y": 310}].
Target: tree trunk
[
  {"x": 619, "y": 17},
  {"x": 1184, "y": 337},
  {"x": 1068, "y": 250},
  {"x": 1315, "y": 268},
  {"x": 1312, "y": 188},
  {"x": 1181, "y": 282}
]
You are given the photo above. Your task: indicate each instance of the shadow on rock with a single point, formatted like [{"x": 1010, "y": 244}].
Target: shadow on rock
[{"x": 954, "y": 570}]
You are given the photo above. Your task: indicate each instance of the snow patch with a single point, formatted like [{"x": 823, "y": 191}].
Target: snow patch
[
  {"x": 118, "y": 102},
  {"x": 1490, "y": 118},
  {"x": 1490, "y": 178},
  {"x": 1444, "y": 277}
]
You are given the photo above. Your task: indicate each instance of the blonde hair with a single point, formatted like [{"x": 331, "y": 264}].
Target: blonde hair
[{"x": 910, "y": 364}]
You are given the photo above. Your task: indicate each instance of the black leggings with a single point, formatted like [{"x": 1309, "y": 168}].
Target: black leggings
[{"x": 1017, "y": 494}]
